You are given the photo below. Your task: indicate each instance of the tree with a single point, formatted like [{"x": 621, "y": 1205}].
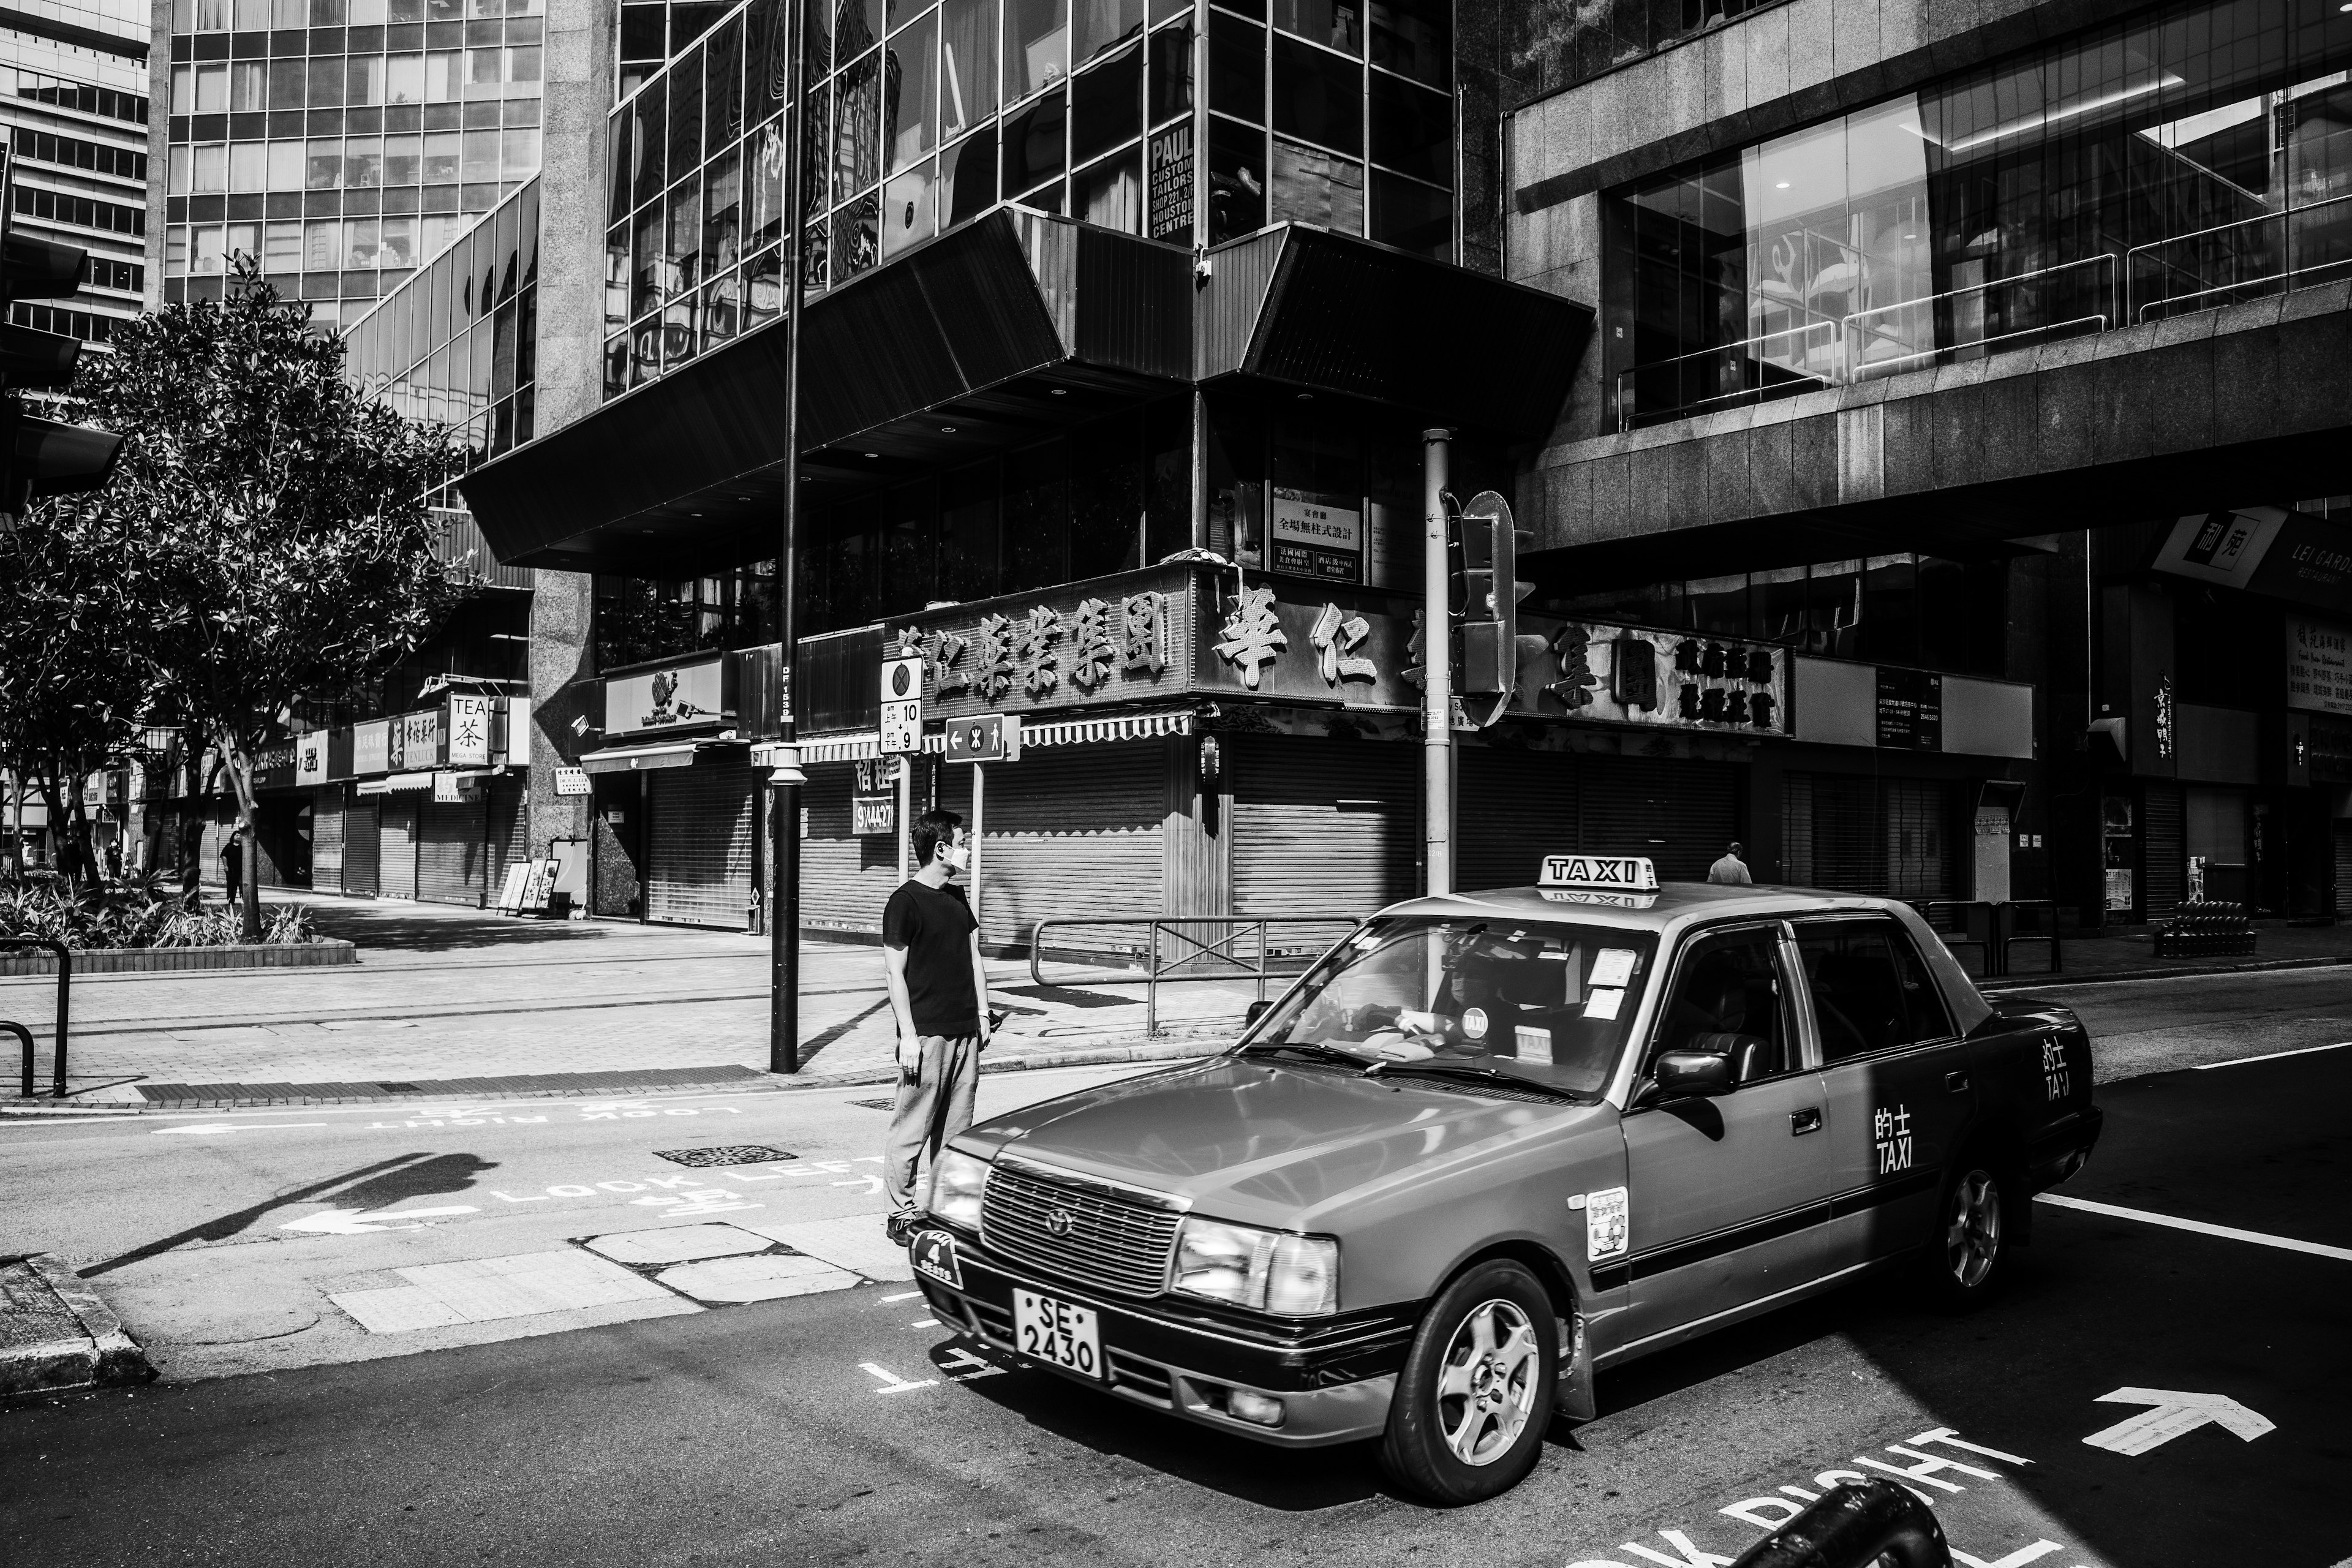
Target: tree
[{"x": 277, "y": 518}]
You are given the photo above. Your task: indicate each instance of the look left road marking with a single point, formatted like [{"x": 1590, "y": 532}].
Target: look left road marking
[
  {"x": 359, "y": 1222},
  {"x": 2228, "y": 1233}
]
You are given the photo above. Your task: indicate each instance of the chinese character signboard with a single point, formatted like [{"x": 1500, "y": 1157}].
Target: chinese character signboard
[
  {"x": 2265, "y": 550},
  {"x": 1118, "y": 640},
  {"x": 1910, "y": 709},
  {"x": 1318, "y": 536},
  {"x": 372, "y": 747},
  {"x": 682, "y": 696},
  {"x": 469, "y": 732},
  {"x": 310, "y": 758},
  {"x": 572, "y": 781},
  {"x": 902, "y": 705},
  {"x": 2318, "y": 666}
]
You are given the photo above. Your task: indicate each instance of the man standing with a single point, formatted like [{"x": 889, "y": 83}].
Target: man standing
[
  {"x": 938, "y": 990},
  {"x": 1731, "y": 870}
]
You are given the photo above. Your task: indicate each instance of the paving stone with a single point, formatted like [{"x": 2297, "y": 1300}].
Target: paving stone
[
  {"x": 487, "y": 1289},
  {"x": 853, "y": 1241},
  {"x": 764, "y": 1278},
  {"x": 678, "y": 1244}
]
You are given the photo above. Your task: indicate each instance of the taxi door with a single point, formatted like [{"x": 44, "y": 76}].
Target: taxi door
[
  {"x": 1900, "y": 1093},
  {"x": 1726, "y": 1195}
]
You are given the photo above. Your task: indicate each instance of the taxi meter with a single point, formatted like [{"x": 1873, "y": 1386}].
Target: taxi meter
[{"x": 1614, "y": 873}]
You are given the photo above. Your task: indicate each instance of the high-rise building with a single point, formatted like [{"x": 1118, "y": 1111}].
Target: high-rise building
[
  {"x": 75, "y": 105},
  {"x": 341, "y": 142}
]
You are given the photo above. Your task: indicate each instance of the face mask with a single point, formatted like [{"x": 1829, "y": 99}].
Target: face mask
[{"x": 959, "y": 858}]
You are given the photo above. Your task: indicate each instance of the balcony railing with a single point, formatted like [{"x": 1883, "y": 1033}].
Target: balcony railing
[{"x": 2278, "y": 268}]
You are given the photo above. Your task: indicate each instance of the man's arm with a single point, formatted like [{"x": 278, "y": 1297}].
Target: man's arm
[
  {"x": 909, "y": 1051},
  {"x": 979, "y": 985}
]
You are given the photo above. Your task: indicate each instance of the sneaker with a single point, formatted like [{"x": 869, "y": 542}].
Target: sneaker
[{"x": 900, "y": 1227}]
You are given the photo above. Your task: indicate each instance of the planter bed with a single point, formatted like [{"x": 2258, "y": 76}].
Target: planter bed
[{"x": 166, "y": 960}]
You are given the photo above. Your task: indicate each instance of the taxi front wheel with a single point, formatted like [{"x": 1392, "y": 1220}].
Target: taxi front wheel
[
  {"x": 1477, "y": 1390},
  {"x": 1966, "y": 1257}
]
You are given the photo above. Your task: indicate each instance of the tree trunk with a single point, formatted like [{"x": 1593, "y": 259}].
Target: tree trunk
[{"x": 240, "y": 778}]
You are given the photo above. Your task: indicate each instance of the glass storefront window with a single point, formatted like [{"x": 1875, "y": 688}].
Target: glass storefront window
[
  {"x": 2188, "y": 158},
  {"x": 1036, "y": 44},
  {"x": 911, "y": 103},
  {"x": 967, "y": 64}
]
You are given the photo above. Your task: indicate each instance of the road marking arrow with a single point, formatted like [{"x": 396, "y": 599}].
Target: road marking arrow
[
  {"x": 213, "y": 1129},
  {"x": 359, "y": 1222},
  {"x": 2174, "y": 1414}
]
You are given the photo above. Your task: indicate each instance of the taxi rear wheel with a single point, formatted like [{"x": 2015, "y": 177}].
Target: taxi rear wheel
[
  {"x": 1966, "y": 1257},
  {"x": 1475, "y": 1394}
]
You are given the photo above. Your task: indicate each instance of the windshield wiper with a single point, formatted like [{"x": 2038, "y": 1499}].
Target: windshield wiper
[
  {"x": 1308, "y": 1048},
  {"x": 1465, "y": 1071}
]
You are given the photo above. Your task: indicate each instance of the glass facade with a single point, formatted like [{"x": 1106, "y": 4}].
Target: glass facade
[
  {"x": 643, "y": 619},
  {"x": 338, "y": 142},
  {"x": 455, "y": 343},
  {"x": 923, "y": 116},
  {"x": 2191, "y": 157}
]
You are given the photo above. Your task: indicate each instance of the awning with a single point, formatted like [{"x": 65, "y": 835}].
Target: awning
[
  {"x": 395, "y": 783},
  {"x": 668, "y": 754},
  {"x": 1094, "y": 731}
]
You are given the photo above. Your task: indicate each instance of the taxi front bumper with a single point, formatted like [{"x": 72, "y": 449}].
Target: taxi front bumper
[{"x": 1335, "y": 1380}]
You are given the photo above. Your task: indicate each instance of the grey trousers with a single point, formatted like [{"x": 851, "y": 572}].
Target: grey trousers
[{"x": 934, "y": 1105}]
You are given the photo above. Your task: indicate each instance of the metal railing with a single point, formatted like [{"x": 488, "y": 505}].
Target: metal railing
[
  {"x": 1216, "y": 955},
  {"x": 2280, "y": 280},
  {"x": 25, "y": 1036},
  {"x": 1992, "y": 928}
]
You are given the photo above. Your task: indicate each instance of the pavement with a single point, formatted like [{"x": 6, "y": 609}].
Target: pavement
[
  {"x": 446, "y": 1001},
  {"x": 334, "y": 1298}
]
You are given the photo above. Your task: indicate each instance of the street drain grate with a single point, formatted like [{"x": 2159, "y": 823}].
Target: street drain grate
[
  {"x": 725, "y": 1154},
  {"x": 875, "y": 1104}
]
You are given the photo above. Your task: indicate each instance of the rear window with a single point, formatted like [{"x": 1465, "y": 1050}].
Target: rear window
[{"x": 1871, "y": 991}]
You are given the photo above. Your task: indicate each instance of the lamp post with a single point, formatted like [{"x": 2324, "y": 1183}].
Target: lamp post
[{"x": 784, "y": 896}]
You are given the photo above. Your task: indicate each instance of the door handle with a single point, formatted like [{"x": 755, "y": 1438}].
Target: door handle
[
  {"x": 1803, "y": 1121},
  {"x": 1956, "y": 1083}
]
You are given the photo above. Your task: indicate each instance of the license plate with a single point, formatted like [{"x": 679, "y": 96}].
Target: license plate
[
  {"x": 932, "y": 1252},
  {"x": 1056, "y": 1332}
]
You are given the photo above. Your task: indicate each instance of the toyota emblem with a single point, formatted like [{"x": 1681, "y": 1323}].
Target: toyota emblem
[{"x": 1061, "y": 1222}]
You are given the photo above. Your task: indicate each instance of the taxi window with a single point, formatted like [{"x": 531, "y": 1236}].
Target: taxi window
[
  {"x": 1871, "y": 992},
  {"x": 1550, "y": 1000},
  {"x": 1727, "y": 997}
]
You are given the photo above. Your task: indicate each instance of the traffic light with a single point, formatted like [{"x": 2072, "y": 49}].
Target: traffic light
[
  {"x": 39, "y": 457},
  {"x": 1488, "y": 601}
]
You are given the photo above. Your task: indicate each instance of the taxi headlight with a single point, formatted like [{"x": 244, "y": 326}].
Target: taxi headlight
[
  {"x": 958, "y": 1180},
  {"x": 1296, "y": 1275}
]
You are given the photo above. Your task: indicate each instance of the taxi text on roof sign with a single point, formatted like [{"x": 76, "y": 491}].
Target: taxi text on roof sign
[{"x": 1630, "y": 873}]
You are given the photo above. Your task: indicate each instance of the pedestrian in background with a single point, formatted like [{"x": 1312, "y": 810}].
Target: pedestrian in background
[
  {"x": 1731, "y": 870},
  {"x": 233, "y": 865},
  {"x": 938, "y": 991}
]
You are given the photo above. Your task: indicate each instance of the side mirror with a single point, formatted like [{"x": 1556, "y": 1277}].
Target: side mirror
[
  {"x": 1694, "y": 1072},
  {"x": 1256, "y": 1011}
]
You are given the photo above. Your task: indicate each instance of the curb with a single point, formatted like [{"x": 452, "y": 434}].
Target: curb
[
  {"x": 2181, "y": 971},
  {"x": 96, "y": 1353},
  {"x": 317, "y": 955}
]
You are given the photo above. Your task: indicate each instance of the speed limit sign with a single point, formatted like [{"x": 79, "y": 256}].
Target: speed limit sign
[{"x": 902, "y": 705}]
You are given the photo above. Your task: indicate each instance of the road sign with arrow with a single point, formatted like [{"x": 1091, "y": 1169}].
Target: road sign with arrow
[
  {"x": 2172, "y": 1412},
  {"x": 361, "y": 1222}
]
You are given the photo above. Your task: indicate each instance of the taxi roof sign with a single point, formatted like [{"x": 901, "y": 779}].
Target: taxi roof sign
[{"x": 1622, "y": 873}]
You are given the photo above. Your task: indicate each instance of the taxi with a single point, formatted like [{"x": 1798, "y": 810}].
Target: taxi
[{"x": 1491, "y": 1143}]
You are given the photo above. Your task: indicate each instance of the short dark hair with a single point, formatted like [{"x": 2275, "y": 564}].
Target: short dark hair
[
  {"x": 933, "y": 828},
  {"x": 1735, "y": 847}
]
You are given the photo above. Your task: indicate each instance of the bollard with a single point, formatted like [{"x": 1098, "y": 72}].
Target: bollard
[{"x": 1855, "y": 1526}]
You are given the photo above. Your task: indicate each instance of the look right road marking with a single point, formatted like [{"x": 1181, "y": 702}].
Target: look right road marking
[{"x": 2229, "y": 1233}]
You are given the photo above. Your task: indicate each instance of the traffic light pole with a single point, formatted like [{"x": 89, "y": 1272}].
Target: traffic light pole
[
  {"x": 784, "y": 896},
  {"x": 1437, "y": 669}
]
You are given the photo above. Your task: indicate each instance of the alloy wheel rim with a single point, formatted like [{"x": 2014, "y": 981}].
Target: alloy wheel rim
[
  {"x": 1486, "y": 1383},
  {"x": 1972, "y": 1229}
]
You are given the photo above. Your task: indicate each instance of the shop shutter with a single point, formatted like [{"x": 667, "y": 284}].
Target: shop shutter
[
  {"x": 363, "y": 847},
  {"x": 507, "y": 824},
  {"x": 1796, "y": 830},
  {"x": 844, "y": 879},
  {"x": 1515, "y": 808},
  {"x": 1680, "y": 814},
  {"x": 2341, "y": 892},
  {"x": 1322, "y": 826},
  {"x": 1075, "y": 832},
  {"x": 1918, "y": 832},
  {"x": 450, "y": 851},
  {"x": 327, "y": 840},
  {"x": 699, "y": 868},
  {"x": 1849, "y": 845},
  {"x": 396, "y": 834},
  {"x": 2164, "y": 868}
]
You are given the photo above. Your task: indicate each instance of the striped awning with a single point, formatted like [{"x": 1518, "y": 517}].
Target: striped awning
[
  {"x": 1093, "y": 731},
  {"x": 395, "y": 784}
]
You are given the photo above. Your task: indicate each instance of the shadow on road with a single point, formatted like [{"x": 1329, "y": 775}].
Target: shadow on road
[
  {"x": 386, "y": 1181},
  {"x": 384, "y": 928}
]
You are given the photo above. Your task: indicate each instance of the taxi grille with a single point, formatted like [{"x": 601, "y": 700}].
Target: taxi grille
[{"x": 1112, "y": 1241}]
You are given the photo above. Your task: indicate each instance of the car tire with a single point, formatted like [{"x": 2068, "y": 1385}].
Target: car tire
[
  {"x": 1471, "y": 1405},
  {"x": 1966, "y": 1257}
]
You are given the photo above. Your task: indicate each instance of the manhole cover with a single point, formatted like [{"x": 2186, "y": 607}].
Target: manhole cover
[
  {"x": 725, "y": 1154},
  {"x": 877, "y": 1104}
]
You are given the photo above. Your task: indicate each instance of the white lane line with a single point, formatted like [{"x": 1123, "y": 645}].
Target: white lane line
[
  {"x": 2228, "y": 1233},
  {"x": 903, "y": 1296},
  {"x": 2242, "y": 1062}
]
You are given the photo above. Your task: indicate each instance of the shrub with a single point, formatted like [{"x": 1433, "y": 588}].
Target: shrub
[{"x": 136, "y": 912}]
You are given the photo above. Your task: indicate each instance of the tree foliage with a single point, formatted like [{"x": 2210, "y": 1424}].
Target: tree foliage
[{"x": 269, "y": 521}]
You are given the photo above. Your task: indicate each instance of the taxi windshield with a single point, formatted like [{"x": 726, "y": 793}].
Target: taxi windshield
[{"x": 1551, "y": 1001}]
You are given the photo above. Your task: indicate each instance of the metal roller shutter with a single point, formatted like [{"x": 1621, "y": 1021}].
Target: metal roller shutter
[
  {"x": 1848, "y": 847},
  {"x": 699, "y": 868},
  {"x": 450, "y": 850},
  {"x": 396, "y": 852},
  {"x": 1516, "y": 807},
  {"x": 362, "y": 847},
  {"x": 844, "y": 879},
  {"x": 1797, "y": 829},
  {"x": 1321, "y": 827},
  {"x": 2164, "y": 879},
  {"x": 1072, "y": 831},
  {"x": 507, "y": 822},
  {"x": 2340, "y": 899},
  {"x": 1918, "y": 858},
  {"x": 1679, "y": 814},
  {"x": 327, "y": 840}
]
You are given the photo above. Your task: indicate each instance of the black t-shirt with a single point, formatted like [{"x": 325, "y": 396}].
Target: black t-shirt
[{"x": 934, "y": 925}]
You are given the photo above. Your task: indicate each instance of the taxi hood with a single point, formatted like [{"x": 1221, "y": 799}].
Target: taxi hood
[{"x": 1269, "y": 1142}]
